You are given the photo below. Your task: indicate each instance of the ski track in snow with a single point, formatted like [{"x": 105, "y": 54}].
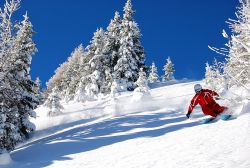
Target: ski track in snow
[{"x": 150, "y": 134}]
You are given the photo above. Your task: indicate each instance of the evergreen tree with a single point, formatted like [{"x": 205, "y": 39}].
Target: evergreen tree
[
  {"x": 84, "y": 73},
  {"x": 113, "y": 39},
  {"x": 104, "y": 60},
  {"x": 131, "y": 53},
  {"x": 168, "y": 71},
  {"x": 238, "y": 47},
  {"x": 38, "y": 92},
  {"x": 6, "y": 32},
  {"x": 72, "y": 74},
  {"x": 23, "y": 49},
  {"x": 80, "y": 95},
  {"x": 53, "y": 103},
  {"x": 17, "y": 98},
  {"x": 9, "y": 115},
  {"x": 37, "y": 88},
  {"x": 85, "y": 68},
  {"x": 142, "y": 80},
  {"x": 100, "y": 66},
  {"x": 142, "y": 90},
  {"x": 153, "y": 76},
  {"x": 238, "y": 63}
]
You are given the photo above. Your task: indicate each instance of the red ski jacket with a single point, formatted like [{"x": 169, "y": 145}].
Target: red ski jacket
[{"x": 208, "y": 105}]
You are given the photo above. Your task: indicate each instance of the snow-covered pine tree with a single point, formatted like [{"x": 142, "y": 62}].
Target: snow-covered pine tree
[
  {"x": 37, "y": 90},
  {"x": 6, "y": 36},
  {"x": 168, "y": 71},
  {"x": 72, "y": 75},
  {"x": 9, "y": 116},
  {"x": 100, "y": 65},
  {"x": 6, "y": 31},
  {"x": 17, "y": 99},
  {"x": 142, "y": 90},
  {"x": 237, "y": 49},
  {"x": 153, "y": 76},
  {"x": 23, "y": 50},
  {"x": 85, "y": 68},
  {"x": 131, "y": 53},
  {"x": 53, "y": 103},
  {"x": 80, "y": 95},
  {"x": 96, "y": 45},
  {"x": 142, "y": 80},
  {"x": 113, "y": 39},
  {"x": 238, "y": 63}
]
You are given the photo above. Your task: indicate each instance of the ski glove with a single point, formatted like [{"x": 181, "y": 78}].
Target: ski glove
[{"x": 188, "y": 115}]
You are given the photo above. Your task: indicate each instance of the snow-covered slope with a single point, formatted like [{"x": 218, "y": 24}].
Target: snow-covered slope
[{"x": 149, "y": 134}]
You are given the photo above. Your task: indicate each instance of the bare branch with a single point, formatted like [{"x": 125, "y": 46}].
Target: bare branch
[{"x": 218, "y": 51}]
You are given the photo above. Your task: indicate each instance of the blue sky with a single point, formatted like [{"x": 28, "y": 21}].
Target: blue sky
[{"x": 180, "y": 29}]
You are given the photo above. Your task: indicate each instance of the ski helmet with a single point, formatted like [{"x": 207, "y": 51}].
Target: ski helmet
[{"x": 197, "y": 88}]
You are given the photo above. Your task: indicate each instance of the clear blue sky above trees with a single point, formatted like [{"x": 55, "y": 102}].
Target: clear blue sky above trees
[{"x": 179, "y": 29}]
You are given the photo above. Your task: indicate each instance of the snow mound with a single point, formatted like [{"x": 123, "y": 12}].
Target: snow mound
[{"x": 139, "y": 95}]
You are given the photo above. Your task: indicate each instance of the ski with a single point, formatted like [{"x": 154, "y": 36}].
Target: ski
[
  {"x": 207, "y": 120},
  {"x": 225, "y": 117}
]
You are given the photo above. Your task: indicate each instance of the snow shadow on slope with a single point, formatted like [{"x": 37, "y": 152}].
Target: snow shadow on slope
[{"x": 82, "y": 139}]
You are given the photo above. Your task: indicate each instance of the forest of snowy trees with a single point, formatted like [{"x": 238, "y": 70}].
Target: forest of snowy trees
[
  {"x": 18, "y": 93},
  {"x": 114, "y": 61},
  {"x": 113, "y": 55}
]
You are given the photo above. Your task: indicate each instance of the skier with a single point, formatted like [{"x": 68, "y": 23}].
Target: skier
[{"x": 205, "y": 98}]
